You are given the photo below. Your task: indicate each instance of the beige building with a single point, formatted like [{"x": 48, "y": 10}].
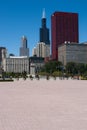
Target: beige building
[
  {"x": 72, "y": 52},
  {"x": 47, "y": 53},
  {"x": 34, "y": 52},
  {"x": 16, "y": 64},
  {"x": 41, "y": 50},
  {"x": 3, "y": 53}
]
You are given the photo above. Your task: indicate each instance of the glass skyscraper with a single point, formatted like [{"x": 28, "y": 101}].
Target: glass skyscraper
[{"x": 44, "y": 31}]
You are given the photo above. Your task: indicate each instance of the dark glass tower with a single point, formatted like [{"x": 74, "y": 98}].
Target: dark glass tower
[
  {"x": 64, "y": 27},
  {"x": 44, "y": 31}
]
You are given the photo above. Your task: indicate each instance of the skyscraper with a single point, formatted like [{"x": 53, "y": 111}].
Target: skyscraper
[
  {"x": 44, "y": 31},
  {"x": 64, "y": 27},
  {"x": 3, "y": 53},
  {"x": 24, "y": 51}
]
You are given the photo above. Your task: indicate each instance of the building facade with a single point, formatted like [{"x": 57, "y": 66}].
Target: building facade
[
  {"x": 72, "y": 52},
  {"x": 64, "y": 27},
  {"x": 24, "y": 50},
  {"x": 16, "y": 64},
  {"x": 35, "y": 64},
  {"x": 34, "y": 51},
  {"x": 44, "y": 31},
  {"x": 3, "y": 53},
  {"x": 42, "y": 50}
]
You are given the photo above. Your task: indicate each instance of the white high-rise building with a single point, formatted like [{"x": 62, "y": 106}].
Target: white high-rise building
[
  {"x": 34, "y": 51},
  {"x": 42, "y": 50}
]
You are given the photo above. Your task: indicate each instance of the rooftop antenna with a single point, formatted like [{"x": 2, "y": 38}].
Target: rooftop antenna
[{"x": 44, "y": 14}]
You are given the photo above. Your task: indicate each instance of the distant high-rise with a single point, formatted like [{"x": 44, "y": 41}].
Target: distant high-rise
[
  {"x": 3, "y": 55},
  {"x": 44, "y": 31},
  {"x": 64, "y": 27},
  {"x": 34, "y": 51},
  {"x": 24, "y": 51},
  {"x": 3, "y": 52},
  {"x": 41, "y": 50}
]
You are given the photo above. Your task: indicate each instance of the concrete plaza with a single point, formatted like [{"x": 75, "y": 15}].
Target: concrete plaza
[{"x": 43, "y": 105}]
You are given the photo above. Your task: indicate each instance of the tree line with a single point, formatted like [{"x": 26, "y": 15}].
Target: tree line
[
  {"x": 71, "y": 69},
  {"x": 54, "y": 68}
]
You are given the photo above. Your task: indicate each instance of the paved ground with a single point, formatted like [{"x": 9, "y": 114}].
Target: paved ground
[{"x": 43, "y": 105}]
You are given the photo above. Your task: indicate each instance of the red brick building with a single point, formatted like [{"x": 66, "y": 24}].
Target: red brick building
[{"x": 64, "y": 27}]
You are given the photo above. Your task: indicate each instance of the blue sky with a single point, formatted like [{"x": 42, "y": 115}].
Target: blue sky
[{"x": 23, "y": 17}]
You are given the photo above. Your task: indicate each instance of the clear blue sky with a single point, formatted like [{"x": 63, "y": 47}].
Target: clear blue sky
[{"x": 23, "y": 17}]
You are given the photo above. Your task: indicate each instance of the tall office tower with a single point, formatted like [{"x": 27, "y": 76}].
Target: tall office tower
[
  {"x": 64, "y": 27},
  {"x": 44, "y": 31},
  {"x": 24, "y": 51}
]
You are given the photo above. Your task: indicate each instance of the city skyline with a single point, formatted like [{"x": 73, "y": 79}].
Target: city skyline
[{"x": 20, "y": 18}]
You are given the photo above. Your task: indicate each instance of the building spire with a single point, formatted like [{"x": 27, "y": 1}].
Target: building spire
[{"x": 44, "y": 14}]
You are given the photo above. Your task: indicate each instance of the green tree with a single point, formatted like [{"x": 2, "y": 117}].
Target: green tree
[
  {"x": 71, "y": 68},
  {"x": 81, "y": 68},
  {"x": 24, "y": 75},
  {"x": 52, "y": 66}
]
